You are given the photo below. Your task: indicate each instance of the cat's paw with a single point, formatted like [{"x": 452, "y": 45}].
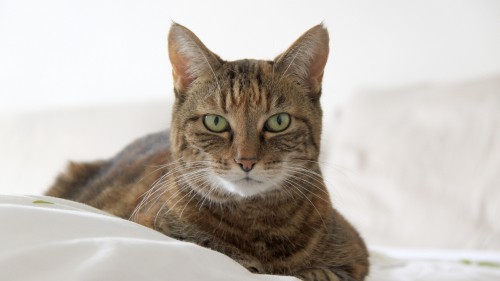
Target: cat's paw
[
  {"x": 252, "y": 264},
  {"x": 317, "y": 274}
]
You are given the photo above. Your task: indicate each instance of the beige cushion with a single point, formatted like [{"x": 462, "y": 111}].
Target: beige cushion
[
  {"x": 420, "y": 166},
  {"x": 36, "y": 146}
]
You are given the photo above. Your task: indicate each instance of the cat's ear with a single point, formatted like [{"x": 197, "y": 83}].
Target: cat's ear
[
  {"x": 189, "y": 57},
  {"x": 305, "y": 60}
]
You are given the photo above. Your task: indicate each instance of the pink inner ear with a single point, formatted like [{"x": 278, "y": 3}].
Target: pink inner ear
[
  {"x": 180, "y": 73},
  {"x": 316, "y": 69},
  {"x": 307, "y": 57}
]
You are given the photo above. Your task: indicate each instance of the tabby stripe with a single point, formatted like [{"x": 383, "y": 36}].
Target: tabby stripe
[
  {"x": 218, "y": 219},
  {"x": 244, "y": 66},
  {"x": 207, "y": 135},
  {"x": 280, "y": 102},
  {"x": 259, "y": 79},
  {"x": 235, "y": 91},
  {"x": 222, "y": 102},
  {"x": 256, "y": 84},
  {"x": 256, "y": 94},
  {"x": 227, "y": 102},
  {"x": 328, "y": 274},
  {"x": 294, "y": 215},
  {"x": 228, "y": 99},
  {"x": 311, "y": 131},
  {"x": 206, "y": 146},
  {"x": 268, "y": 100},
  {"x": 303, "y": 233}
]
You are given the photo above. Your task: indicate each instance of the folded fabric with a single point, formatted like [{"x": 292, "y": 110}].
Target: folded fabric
[{"x": 46, "y": 238}]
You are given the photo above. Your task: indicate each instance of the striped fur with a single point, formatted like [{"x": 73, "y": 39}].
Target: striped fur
[{"x": 189, "y": 183}]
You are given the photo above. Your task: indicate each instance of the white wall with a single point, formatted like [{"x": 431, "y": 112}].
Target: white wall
[{"x": 56, "y": 53}]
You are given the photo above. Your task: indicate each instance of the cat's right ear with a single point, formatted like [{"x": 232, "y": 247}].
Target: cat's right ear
[
  {"x": 189, "y": 57},
  {"x": 306, "y": 59}
]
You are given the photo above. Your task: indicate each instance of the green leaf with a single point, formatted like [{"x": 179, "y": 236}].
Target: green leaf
[
  {"x": 489, "y": 264},
  {"x": 481, "y": 263},
  {"x": 41, "y": 202}
]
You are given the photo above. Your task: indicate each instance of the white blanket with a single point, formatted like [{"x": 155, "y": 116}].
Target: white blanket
[{"x": 45, "y": 238}]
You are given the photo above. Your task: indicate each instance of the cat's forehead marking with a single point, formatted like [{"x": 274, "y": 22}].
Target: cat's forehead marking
[{"x": 246, "y": 86}]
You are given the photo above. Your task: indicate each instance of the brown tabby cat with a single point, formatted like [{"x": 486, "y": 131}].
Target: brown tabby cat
[{"x": 238, "y": 172}]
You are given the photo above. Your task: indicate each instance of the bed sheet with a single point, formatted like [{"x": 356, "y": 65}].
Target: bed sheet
[{"x": 46, "y": 238}]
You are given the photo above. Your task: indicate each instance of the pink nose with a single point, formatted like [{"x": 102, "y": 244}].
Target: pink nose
[{"x": 246, "y": 164}]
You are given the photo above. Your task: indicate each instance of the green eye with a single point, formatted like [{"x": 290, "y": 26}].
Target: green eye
[
  {"x": 278, "y": 122},
  {"x": 215, "y": 123}
]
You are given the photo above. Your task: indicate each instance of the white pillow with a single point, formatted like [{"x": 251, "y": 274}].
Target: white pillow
[
  {"x": 420, "y": 167},
  {"x": 36, "y": 146}
]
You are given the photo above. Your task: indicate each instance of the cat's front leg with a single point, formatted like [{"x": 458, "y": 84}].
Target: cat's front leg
[
  {"x": 318, "y": 274},
  {"x": 251, "y": 263}
]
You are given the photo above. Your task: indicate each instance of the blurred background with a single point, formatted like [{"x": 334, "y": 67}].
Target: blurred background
[
  {"x": 411, "y": 145},
  {"x": 73, "y": 53}
]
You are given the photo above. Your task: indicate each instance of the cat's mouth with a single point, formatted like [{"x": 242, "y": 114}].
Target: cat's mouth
[{"x": 248, "y": 180}]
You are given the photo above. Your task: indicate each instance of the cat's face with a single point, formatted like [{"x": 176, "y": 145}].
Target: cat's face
[{"x": 248, "y": 127}]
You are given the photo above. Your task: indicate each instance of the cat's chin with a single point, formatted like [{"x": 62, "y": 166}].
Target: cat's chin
[{"x": 245, "y": 187}]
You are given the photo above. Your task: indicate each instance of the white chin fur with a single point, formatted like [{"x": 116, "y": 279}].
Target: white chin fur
[{"x": 245, "y": 188}]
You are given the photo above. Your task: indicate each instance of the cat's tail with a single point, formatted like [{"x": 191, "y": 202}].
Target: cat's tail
[{"x": 70, "y": 183}]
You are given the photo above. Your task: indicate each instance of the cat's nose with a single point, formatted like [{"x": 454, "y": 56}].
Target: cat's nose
[{"x": 246, "y": 164}]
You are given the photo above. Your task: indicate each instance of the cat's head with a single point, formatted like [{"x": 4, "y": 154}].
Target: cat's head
[{"x": 249, "y": 127}]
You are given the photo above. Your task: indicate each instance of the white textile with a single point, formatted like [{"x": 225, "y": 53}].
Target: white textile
[{"x": 46, "y": 238}]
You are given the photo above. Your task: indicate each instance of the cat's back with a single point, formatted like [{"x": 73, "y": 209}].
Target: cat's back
[{"x": 116, "y": 185}]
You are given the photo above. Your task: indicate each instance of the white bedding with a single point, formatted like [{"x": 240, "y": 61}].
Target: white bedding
[{"x": 44, "y": 238}]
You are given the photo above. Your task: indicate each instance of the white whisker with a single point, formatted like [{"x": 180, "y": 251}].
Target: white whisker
[
  {"x": 163, "y": 183},
  {"x": 307, "y": 198}
]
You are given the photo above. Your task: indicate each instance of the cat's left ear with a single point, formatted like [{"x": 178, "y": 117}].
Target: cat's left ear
[
  {"x": 189, "y": 57},
  {"x": 305, "y": 60}
]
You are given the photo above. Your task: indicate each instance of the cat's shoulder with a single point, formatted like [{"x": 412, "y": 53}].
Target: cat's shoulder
[{"x": 147, "y": 145}]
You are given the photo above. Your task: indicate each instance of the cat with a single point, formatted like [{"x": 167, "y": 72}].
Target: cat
[{"x": 238, "y": 171}]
